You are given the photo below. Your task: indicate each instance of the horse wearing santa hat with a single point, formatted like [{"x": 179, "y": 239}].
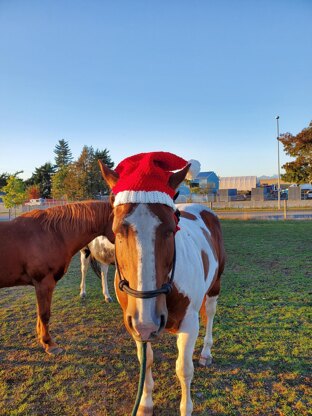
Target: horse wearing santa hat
[{"x": 169, "y": 260}]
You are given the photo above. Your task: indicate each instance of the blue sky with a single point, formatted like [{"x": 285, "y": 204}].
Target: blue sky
[{"x": 202, "y": 79}]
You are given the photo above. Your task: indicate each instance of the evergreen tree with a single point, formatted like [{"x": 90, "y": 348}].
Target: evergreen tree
[
  {"x": 5, "y": 176},
  {"x": 104, "y": 156},
  {"x": 86, "y": 178},
  {"x": 63, "y": 154},
  {"x": 82, "y": 179},
  {"x": 83, "y": 168},
  {"x": 43, "y": 177},
  {"x": 99, "y": 186},
  {"x": 71, "y": 181},
  {"x": 4, "y": 179}
]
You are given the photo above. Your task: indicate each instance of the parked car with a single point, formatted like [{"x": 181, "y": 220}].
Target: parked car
[
  {"x": 239, "y": 197},
  {"x": 308, "y": 195},
  {"x": 284, "y": 194},
  {"x": 39, "y": 201}
]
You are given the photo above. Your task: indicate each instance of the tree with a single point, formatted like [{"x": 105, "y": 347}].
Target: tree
[
  {"x": 4, "y": 179},
  {"x": 43, "y": 177},
  {"x": 79, "y": 181},
  {"x": 82, "y": 179},
  {"x": 5, "y": 176},
  {"x": 75, "y": 183},
  {"x": 299, "y": 147},
  {"x": 71, "y": 181},
  {"x": 94, "y": 184},
  {"x": 99, "y": 186},
  {"x": 33, "y": 192},
  {"x": 14, "y": 193},
  {"x": 63, "y": 154},
  {"x": 58, "y": 190}
]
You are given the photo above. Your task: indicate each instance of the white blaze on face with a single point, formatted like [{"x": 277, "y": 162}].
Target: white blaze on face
[{"x": 145, "y": 223}]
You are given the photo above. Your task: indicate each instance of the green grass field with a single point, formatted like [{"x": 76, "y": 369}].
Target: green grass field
[{"x": 262, "y": 339}]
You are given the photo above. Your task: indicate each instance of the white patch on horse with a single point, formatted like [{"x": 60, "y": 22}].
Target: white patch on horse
[
  {"x": 104, "y": 252},
  {"x": 145, "y": 223},
  {"x": 196, "y": 209},
  {"x": 190, "y": 241}
]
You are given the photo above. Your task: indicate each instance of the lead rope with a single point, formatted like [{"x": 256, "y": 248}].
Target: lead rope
[{"x": 141, "y": 379}]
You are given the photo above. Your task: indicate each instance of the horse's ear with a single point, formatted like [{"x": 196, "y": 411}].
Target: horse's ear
[
  {"x": 178, "y": 177},
  {"x": 110, "y": 176}
]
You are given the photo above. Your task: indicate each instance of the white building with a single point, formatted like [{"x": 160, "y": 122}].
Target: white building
[{"x": 241, "y": 183}]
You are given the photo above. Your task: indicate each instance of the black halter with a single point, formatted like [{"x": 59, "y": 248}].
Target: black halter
[{"x": 147, "y": 294}]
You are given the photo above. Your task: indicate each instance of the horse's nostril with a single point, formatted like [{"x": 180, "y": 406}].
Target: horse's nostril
[
  {"x": 162, "y": 322},
  {"x": 129, "y": 320}
]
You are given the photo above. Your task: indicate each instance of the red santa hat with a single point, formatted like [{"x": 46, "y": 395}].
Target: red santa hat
[{"x": 143, "y": 178}]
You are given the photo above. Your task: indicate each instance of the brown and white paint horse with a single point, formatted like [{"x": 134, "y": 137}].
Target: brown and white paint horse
[
  {"x": 36, "y": 249},
  {"x": 147, "y": 246},
  {"x": 102, "y": 252}
]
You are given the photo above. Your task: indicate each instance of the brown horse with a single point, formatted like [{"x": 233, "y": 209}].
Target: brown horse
[{"x": 36, "y": 249}]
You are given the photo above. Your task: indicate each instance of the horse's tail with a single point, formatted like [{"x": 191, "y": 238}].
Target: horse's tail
[{"x": 95, "y": 266}]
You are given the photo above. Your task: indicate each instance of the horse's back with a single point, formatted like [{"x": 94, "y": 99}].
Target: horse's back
[{"x": 198, "y": 213}]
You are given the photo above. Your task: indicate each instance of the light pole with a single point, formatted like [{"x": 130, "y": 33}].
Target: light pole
[{"x": 278, "y": 167}]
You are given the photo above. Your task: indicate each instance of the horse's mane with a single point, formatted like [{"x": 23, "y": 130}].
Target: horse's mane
[{"x": 86, "y": 216}]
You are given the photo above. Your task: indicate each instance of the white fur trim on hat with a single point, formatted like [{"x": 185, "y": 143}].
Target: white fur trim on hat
[
  {"x": 143, "y": 197},
  {"x": 193, "y": 170}
]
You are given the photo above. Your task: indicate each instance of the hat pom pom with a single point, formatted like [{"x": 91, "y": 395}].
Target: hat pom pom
[{"x": 193, "y": 170}]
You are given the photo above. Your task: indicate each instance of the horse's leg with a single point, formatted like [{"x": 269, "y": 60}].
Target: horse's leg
[
  {"x": 188, "y": 333},
  {"x": 104, "y": 273},
  {"x": 146, "y": 403},
  {"x": 84, "y": 263},
  {"x": 211, "y": 307},
  {"x": 44, "y": 290}
]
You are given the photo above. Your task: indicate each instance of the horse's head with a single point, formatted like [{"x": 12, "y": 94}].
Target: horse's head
[{"x": 145, "y": 255}]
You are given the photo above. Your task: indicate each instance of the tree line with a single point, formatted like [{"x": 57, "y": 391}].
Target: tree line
[
  {"x": 81, "y": 179},
  {"x": 67, "y": 179}
]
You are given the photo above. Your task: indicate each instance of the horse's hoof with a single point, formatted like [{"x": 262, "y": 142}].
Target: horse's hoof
[
  {"x": 108, "y": 300},
  {"x": 54, "y": 350},
  {"x": 82, "y": 296},
  {"x": 205, "y": 361}
]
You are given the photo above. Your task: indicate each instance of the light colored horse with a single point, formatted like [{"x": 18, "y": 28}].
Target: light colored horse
[
  {"x": 102, "y": 251},
  {"x": 37, "y": 247},
  {"x": 152, "y": 256}
]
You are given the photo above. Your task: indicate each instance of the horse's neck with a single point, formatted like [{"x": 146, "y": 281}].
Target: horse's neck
[
  {"x": 78, "y": 240},
  {"x": 81, "y": 232}
]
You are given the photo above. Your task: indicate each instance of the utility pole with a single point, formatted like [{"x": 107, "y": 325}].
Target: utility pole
[{"x": 278, "y": 166}]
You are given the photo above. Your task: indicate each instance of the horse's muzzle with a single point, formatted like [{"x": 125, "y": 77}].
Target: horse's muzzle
[{"x": 146, "y": 331}]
